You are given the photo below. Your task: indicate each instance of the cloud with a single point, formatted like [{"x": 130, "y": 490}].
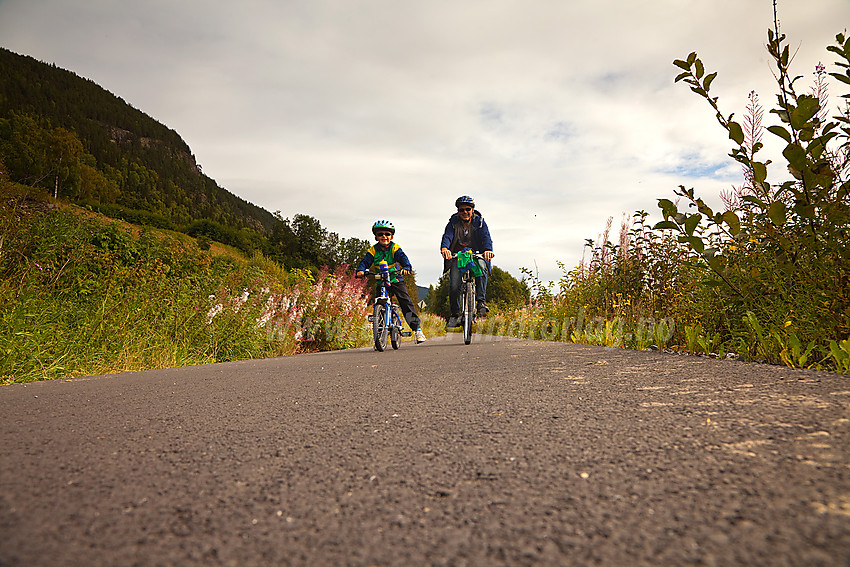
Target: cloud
[{"x": 555, "y": 116}]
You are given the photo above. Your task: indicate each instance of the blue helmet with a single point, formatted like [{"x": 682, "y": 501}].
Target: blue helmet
[{"x": 465, "y": 200}]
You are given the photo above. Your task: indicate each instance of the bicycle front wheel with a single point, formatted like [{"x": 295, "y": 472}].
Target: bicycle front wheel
[
  {"x": 395, "y": 336},
  {"x": 468, "y": 311},
  {"x": 379, "y": 326}
]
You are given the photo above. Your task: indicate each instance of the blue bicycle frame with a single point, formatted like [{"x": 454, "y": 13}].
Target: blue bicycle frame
[{"x": 385, "y": 318}]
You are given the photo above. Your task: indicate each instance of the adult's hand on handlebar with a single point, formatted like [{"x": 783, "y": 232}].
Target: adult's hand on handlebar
[
  {"x": 447, "y": 254},
  {"x": 488, "y": 255},
  {"x": 359, "y": 274}
]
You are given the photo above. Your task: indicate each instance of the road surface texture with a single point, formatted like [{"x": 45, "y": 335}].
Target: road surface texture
[{"x": 503, "y": 452}]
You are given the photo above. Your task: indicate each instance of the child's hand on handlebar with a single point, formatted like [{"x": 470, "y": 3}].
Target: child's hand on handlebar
[{"x": 359, "y": 274}]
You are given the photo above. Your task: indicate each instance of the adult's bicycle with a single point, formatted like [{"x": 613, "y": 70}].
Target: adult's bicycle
[
  {"x": 467, "y": 290},
  {"x": 385, "y": 317}
]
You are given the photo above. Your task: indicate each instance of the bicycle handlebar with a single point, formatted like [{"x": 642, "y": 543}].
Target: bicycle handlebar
[
  {"x": 378, "y": 275},
  {"x": 474, "y": 255}
]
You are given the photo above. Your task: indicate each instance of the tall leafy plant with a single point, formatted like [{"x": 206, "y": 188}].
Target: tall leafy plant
[{"x": 778, "y": 254}]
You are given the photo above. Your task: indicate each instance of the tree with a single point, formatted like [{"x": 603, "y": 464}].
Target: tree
[
  {"x": 437, "y": 300},
  {"x": 64, "y": 152},
  {"x": 41, "y": 156},
  {"x": 505, "y": 291},
  {"x": 412, "y": 288},
  {"x": 351, "y": 251},
  {"x": 305, "y": 244},
  {"x": 310, "y": 237}
]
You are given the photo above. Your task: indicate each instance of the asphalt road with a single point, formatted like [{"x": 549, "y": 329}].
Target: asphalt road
[{"x": 503, "y": 452}]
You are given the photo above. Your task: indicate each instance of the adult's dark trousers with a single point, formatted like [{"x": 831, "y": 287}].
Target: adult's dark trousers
[{"x": 455, "y": 279}]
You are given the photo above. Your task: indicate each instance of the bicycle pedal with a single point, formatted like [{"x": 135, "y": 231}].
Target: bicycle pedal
[
  {"x": 371, "y": 318},
  {"x": 406, "y": 334}
]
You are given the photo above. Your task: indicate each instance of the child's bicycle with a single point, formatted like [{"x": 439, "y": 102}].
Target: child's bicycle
[
  {"x": 385, "y": 317},
  {"x": 467, "y": 294}
]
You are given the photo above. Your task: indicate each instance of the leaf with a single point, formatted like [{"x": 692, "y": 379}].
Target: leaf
[
  {"x": 697, "y": 244},
  {"x": 783, "y": 114},
  {"x": 682, "y": 65},
  {"x": 704, "y": 209},
  {"x": 692, "y": 223},
  {"x": 759, "y": 172},
  {"x": 776, "y": 212},
  {"x": 664, "y": 225},
  {"x": 733, "y": 221},
  {"x": 804, "y": 210},
  {"x": 716, "y": 263},
  {"x": 807, "y": 107},
  {"x": 699, "y": 69},
  {"x": 781, "y": 132},
  {"x": 754, "y": 200},
  {"x": 754, "y": 324},
  {"x": 843, "y": 78},
  {"x": 796, "y": 156},
  {"x": 838, "y": 353},
  {"x": 667, "y": 207},
  {"x": 736, "y": 133},
  {"x": 706, "y": 83}
]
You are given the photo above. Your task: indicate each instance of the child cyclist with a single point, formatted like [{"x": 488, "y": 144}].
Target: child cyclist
[{"x": 388, "y": 251}]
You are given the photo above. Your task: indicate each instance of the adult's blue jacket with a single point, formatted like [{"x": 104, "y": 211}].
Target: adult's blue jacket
[{"x": 481, "y": 240}]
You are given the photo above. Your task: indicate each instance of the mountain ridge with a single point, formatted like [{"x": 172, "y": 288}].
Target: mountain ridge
[{"x": 119, "y": 137}]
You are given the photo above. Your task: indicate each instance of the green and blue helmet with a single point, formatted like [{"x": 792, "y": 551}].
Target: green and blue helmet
[{"x": 381, "y": 225}]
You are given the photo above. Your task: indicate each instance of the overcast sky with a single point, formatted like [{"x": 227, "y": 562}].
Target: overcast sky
[{"x": 553, "y": 115}]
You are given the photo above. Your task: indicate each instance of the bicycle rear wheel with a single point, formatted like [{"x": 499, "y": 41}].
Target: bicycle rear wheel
[
  {"x": 379, "y": 326},
  {"x": 468, "y": 310}
]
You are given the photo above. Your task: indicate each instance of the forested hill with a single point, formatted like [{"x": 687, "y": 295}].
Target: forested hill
[
  {"x": 78, "y": 142},
  {"x": 55, "y": 116}
]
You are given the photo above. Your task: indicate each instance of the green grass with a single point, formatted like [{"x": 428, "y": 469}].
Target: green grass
[{"x": 82, "y": 295}]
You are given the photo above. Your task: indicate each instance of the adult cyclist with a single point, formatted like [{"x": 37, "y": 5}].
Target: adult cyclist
[{"x": 466, "y": 229}]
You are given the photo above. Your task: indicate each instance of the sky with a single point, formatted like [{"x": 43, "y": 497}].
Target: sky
[{"x": 554, "y": 115}]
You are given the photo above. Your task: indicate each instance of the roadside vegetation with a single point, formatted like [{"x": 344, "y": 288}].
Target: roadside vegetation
[
  {"x": 766, "y": 279},
  {"x": 85, "y": 295}
]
